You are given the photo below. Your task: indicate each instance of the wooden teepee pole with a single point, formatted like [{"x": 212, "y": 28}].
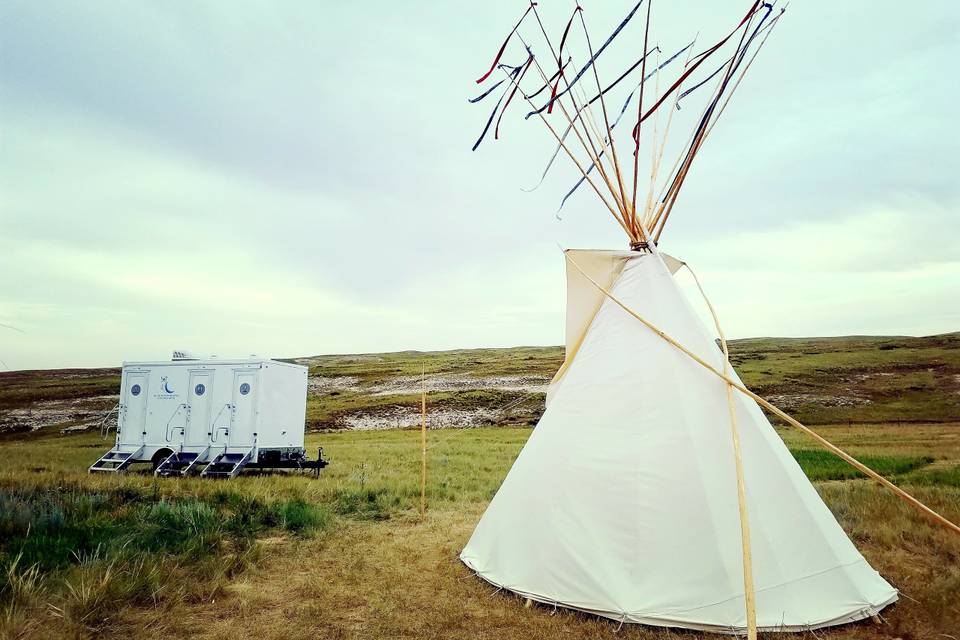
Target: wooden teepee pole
[
  {"x": 606, "y": 120},
  {"x": 577, "y": 110},
  {"x": 733, "y": 90},
  {"x": 668, "y": 186},
  {"x": 423, "y": 442},
  {"x": 585, "y": 139},
  {"x": 653, "y": 147},
  {"x": 636, "y": 149},
  {"x": 573, "y": 158},
  {"x": 672, "y": 197},
  {"x": 648, "y": 214}
]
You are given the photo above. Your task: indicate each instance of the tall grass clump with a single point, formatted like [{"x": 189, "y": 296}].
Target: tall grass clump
[
  {"x": 300, "y": 517},
  {"x": 21, "y": 588},
  {"x": 374, "y": 503},
  {"x": 186, "y": 527},
  {"x": 937, "y": 477},
  {"x": 19, "y": 583},
  {"x": 82, "y": 552}
]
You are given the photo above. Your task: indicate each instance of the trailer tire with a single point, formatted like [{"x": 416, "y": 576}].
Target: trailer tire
[{"x": 160, "y": 456}]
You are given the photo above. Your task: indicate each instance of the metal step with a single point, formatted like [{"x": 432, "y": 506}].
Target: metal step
[
  {"x": 227, "y": 465},
  {"x": 177, "y": 464},
  {"x": 192, "y": 467},
  {"x": 114, "y": 461}
]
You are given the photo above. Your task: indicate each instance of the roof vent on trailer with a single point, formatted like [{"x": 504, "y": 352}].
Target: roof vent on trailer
[{"x": 185, "y": 355}]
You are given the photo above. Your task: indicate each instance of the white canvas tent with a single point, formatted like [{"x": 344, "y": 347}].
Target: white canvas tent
[
  {"x": 623, "y": 503},
  {"x": 654, "y": 489}
]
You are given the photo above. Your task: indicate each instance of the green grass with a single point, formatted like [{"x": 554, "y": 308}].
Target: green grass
[
  {"x": 892, "y": 378},
  {"x": 823, "y": 465},
  {"x": 938, "y": 477}
]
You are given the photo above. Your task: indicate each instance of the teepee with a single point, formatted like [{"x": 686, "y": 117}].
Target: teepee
[
  {"x": 654, "y": 489},
  {"x": 624, "y": 501}
]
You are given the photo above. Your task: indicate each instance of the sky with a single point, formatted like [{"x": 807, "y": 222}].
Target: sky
[{"x": 296, "y": 178}]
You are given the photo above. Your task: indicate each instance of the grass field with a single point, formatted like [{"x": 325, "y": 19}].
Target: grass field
[{"x": 347, "y": 555}]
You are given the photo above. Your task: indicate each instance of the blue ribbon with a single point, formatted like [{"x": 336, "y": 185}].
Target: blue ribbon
[
  {"x": 589, "y": 63},
  {"x": 512, "y": 76}
]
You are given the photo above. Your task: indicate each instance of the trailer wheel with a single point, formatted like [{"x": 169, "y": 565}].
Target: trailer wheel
[{"x": 160, "y": 456}]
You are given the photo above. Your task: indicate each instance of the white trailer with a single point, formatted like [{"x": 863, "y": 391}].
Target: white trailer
[{"x": 210, "y": 416}]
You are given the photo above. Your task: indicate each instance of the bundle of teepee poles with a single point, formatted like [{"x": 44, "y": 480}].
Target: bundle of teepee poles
[{"x": 556, "y": 88}]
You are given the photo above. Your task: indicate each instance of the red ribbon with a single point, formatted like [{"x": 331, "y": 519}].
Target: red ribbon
[
  {"x": 503, "y": 47},
  {"x": 496, "y": 129},
  {"x": 563, "y": 41}
]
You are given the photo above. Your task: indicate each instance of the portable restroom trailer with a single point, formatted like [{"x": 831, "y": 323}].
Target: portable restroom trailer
[{"x": 211, "y": 416}]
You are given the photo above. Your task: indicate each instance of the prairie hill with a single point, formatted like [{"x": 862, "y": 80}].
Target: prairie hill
[{"x": 819, "y": 380}]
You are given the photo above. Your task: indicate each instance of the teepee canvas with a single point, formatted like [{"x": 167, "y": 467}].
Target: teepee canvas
[
  {"x": 623, "y": 502},
  {"x": 654, "y": 489}
]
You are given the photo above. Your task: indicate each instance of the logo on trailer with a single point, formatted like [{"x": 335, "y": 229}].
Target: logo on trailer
[
  {"x": 167, "y": 392},
  {"x": 135, "y": 390},
  {"x": 244, "y": 389},
  {"x": 199, "y": 389}
]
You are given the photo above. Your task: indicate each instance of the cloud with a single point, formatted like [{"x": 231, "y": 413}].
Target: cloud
[
  {"x": 297, "y": 178},
  {"x": 880, "y": 239},
  {"x": 880, "y": 271}
]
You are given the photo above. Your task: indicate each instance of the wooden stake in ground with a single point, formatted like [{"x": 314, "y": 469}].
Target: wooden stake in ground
[{"x": 423, "y": 442}]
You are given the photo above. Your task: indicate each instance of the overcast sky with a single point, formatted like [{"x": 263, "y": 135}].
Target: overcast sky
[{"x": 294, "y": 178}]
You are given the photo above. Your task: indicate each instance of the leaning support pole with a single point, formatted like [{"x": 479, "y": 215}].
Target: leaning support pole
[
  {"x": 749, "y": 592},
  {"x": 859, "y": 466},
  {"x": 423, "y": 443}
]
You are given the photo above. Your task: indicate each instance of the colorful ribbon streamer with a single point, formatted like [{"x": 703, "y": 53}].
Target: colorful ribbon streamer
[
  {"x": 589, "y": 62},
  {"x": 512, "y": 76},
  {"x": 503, "y": 47}
]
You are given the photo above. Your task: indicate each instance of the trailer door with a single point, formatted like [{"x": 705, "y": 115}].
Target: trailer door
[
  {"x": 245, "y": 393},
  {"x": 134, "y": 408},
  {"x": 199, "y": 393}
]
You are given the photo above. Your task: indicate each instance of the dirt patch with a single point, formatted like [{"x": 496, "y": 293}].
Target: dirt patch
[
  {"x": 404, "y": 417},
  {"x": 78, "y": 414},
  {"x": 406, "y": 385},
  {"x": 792, "y": 401},
  {"x": 324, "y": 384}
]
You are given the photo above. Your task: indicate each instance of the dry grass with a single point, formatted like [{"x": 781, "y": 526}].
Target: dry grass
[{"x": 402, "y": 579}]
